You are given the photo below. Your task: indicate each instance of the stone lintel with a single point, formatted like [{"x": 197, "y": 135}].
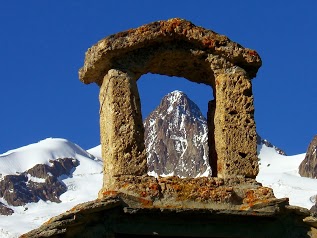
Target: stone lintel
[{"x": 102, "y": 56}]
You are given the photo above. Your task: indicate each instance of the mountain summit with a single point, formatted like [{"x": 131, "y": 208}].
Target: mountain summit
[{"x": 176, "y": 135}]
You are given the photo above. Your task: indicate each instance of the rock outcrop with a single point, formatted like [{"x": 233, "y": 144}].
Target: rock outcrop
[
  {"x": 308, "y": 167},
  {"x": 39, "y": 182},
  {"x": 176, "y": 137},
  {"x": 5, "y": 210},
  {"x": 175, "y": 47}
]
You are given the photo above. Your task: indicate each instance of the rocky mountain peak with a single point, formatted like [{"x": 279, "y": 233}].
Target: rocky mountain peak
[
  {"x": 178, "y": 102},
  {"x": 308, "y": 167},
  {"x": 176, "y": 138}
]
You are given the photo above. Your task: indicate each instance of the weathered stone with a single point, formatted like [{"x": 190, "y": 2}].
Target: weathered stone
[
  {"x": 203, "y": 192},
  {"x": 125, "y": 215},
  {"x": 121, "y": 127},
  {"x": 235, "y": 134},
  {"x": 162, "y": 45},
  {"x": 174, "y": 47}
]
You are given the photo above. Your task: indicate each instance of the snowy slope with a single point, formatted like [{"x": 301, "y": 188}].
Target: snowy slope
[
  {"x": 96, "y": 151},
  {"x": 280, "y": 173},
  {"x": 83, "y": 185},
  {"x": 24, "y": 158}
]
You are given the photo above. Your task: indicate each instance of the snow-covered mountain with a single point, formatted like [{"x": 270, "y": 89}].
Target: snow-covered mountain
[
  {"x": 78, "y": 173},
  {"x": 39, "y": 164},
  {"x": 176, "y": 138}
]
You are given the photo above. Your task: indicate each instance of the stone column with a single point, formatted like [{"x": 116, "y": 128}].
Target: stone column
[
  {"x": 235, "y": 133},
  {"x": 121, "y": 128}
]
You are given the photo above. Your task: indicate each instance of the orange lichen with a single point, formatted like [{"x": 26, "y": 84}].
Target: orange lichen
[
  {"x": 125, "y": 185},
  {"x": 170, "y": 26},
  {"x": 209, "y": 43},
  {"x": 131, "y": 31},
  {"x": 250, "y": 198},
  {"x": 245, "y": 207},
  {"x": 154, "y": 186},
  {"x": 47, "y": 222},
  {"x": 177, "y": 187},
  {"x": 110, "y": 193},
  {"x": 265, "y": 191},
  {"x": 253, "y": 53},
  {"x": 142, "y": 29},
  {"x": 145, "y": 202},
  {"x": 255, "y": 197},
  {"x": 143, "y": 194}
]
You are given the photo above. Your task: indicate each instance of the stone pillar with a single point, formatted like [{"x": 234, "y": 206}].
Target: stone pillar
[
  {"x": 121, "y": 128},
  {"x": 235, "y": 133}
]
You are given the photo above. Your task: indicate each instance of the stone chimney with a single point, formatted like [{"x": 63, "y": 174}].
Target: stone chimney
[{"x": 175, "y": 47}]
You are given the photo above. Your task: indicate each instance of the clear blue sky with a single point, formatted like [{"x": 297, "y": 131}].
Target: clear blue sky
[{"x": 43, "y": 45}]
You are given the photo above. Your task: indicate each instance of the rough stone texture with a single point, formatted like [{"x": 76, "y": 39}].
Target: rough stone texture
[
  {"x": 308, "y": 167},
  {"x": 39, "y": 182},
  {"x": 161, "y": 45},
  {"x": 123, "y": 214},
  {"x": 203, "y": 192},
  {"x": 121, "y": 128},
  {"x": 313, "y": 209},
  {"x": 174, "y": 47},
  {"x": 235, "y": 133},
  {"x": 176, "y": 138}
]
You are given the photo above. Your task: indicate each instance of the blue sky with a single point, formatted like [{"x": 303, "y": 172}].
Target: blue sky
[{"x": 43, "y": 45}]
